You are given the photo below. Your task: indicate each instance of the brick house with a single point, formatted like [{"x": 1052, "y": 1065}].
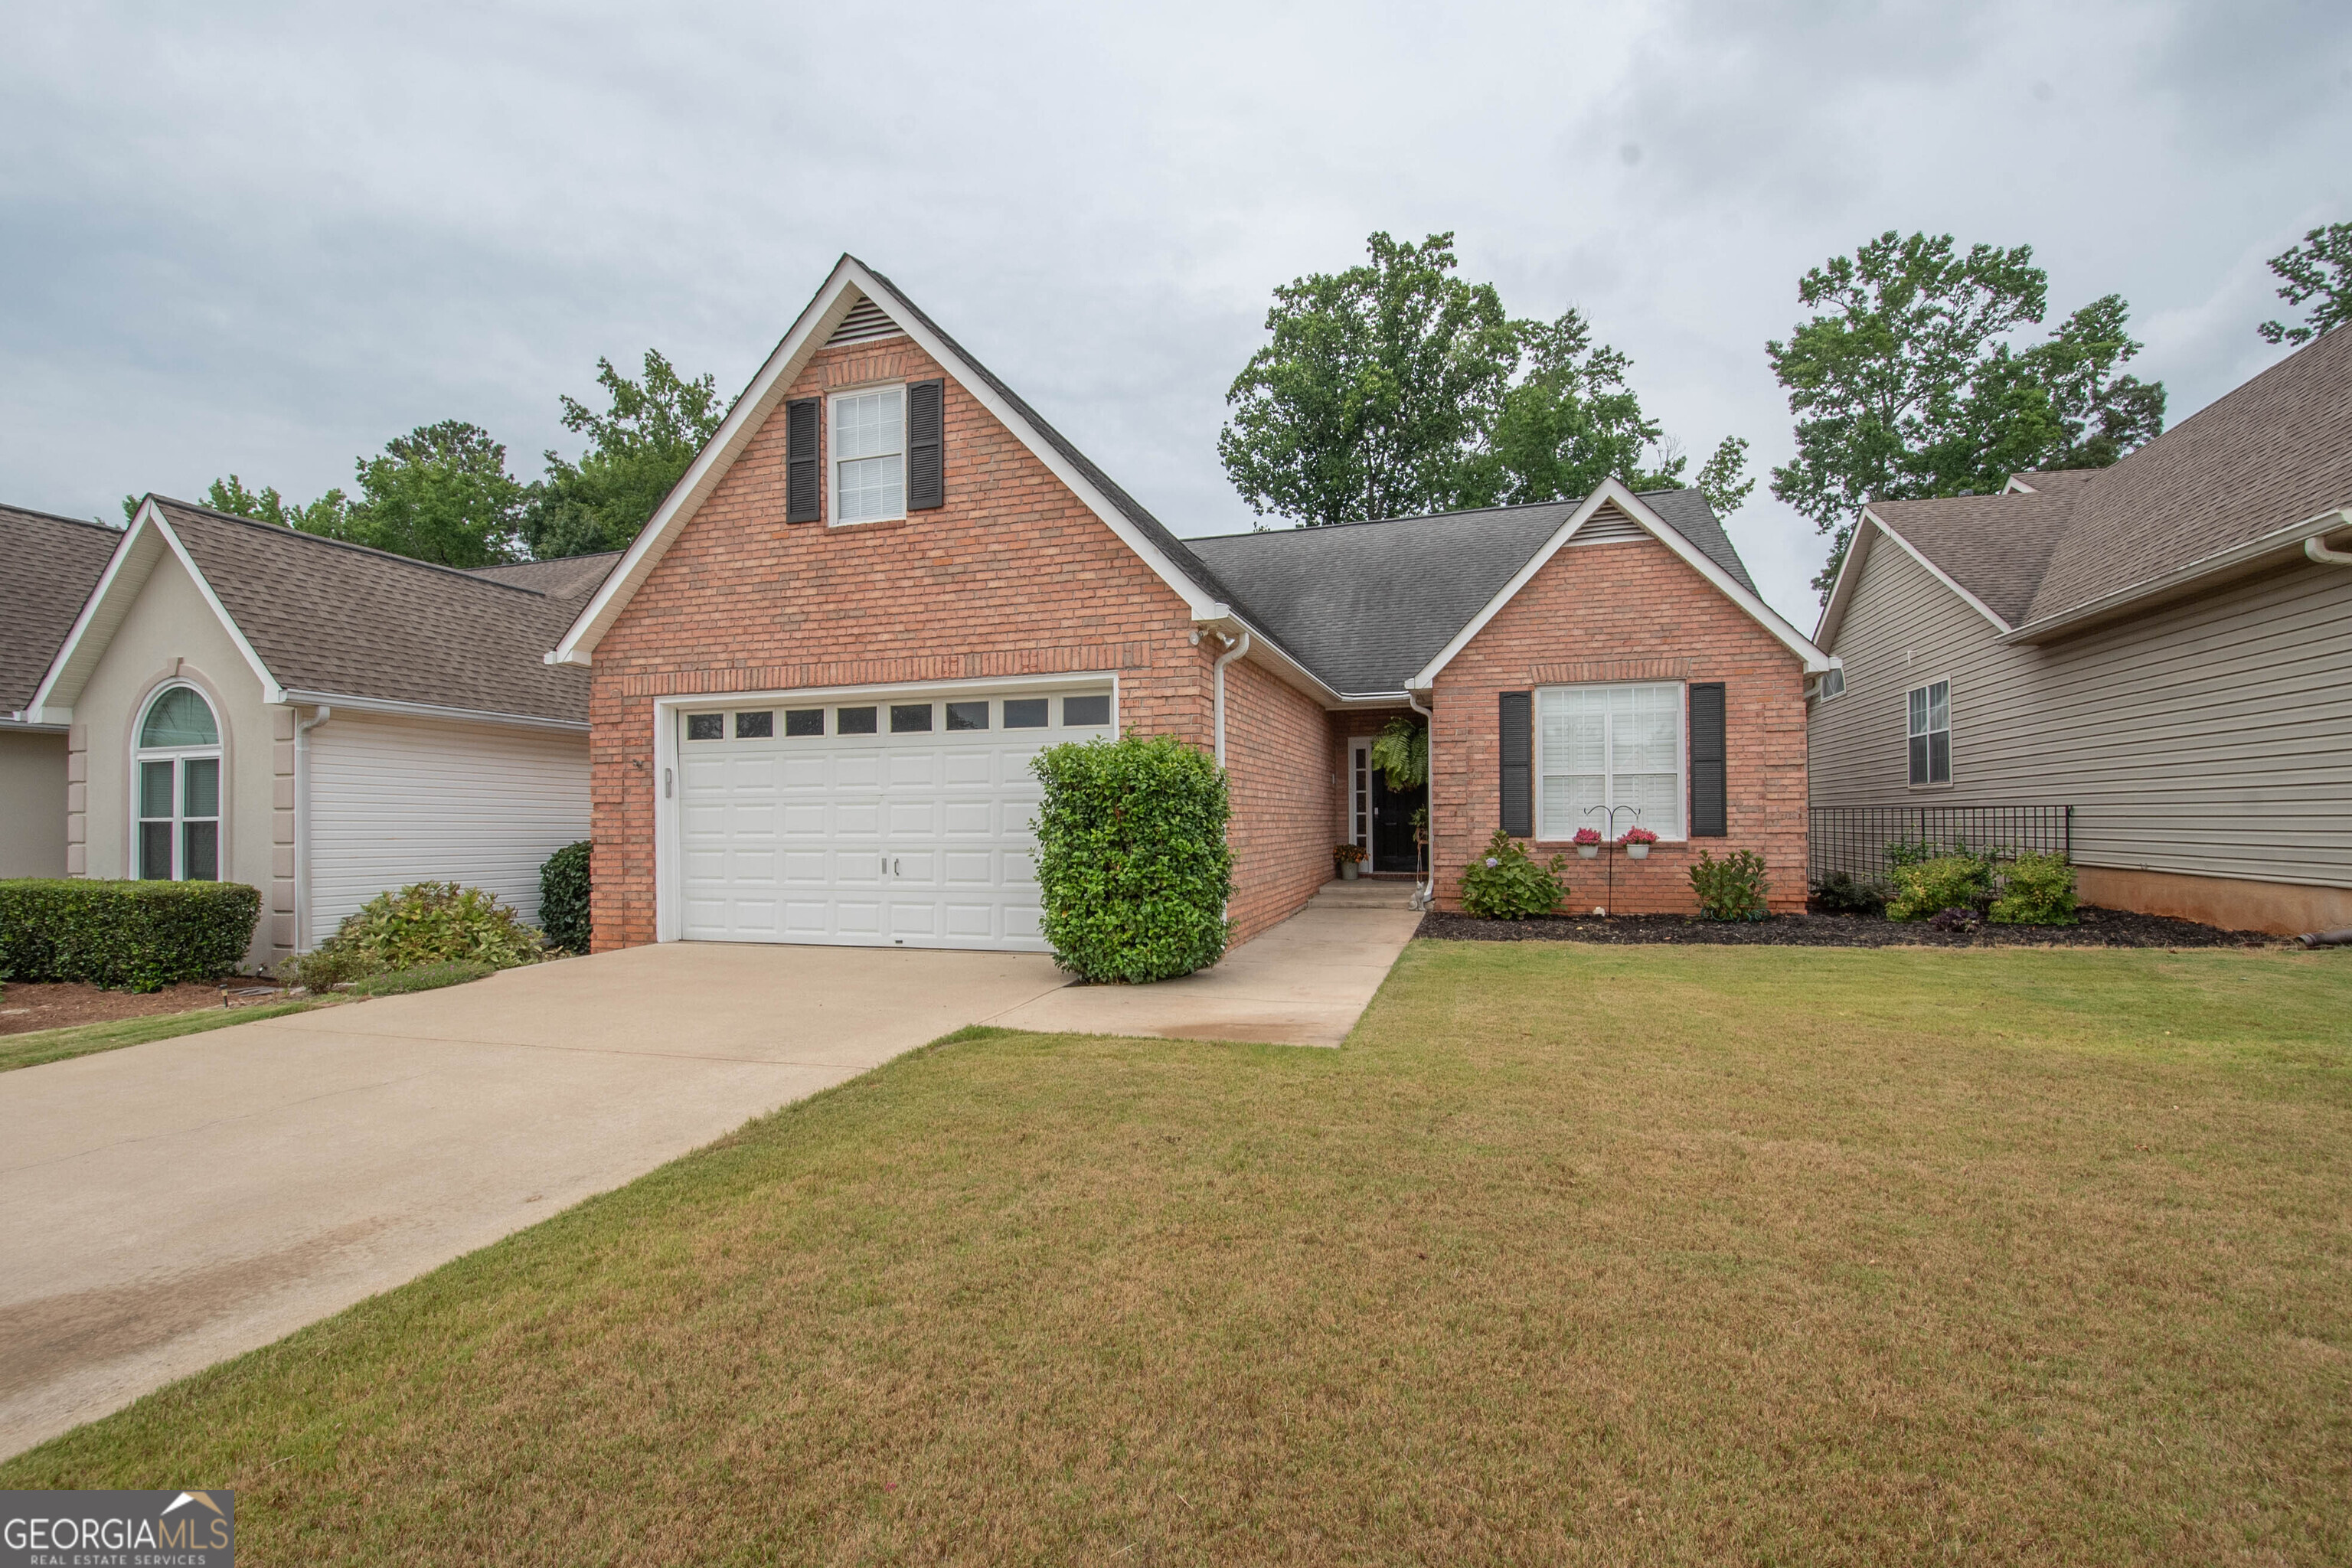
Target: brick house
[{"x": 817, "y": 676}]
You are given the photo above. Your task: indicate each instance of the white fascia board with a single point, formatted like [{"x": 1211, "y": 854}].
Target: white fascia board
[
  {"x": 1665, "y": 534},
  {"x": 143, "y": 544},
  {"x": 2278, "y": 541},
  {"x": 426, "y": 710},
  {"x": 817, "y": 321},
  {"x": 1857, "y": 549},
  {"x": 1946, "y": 578},
  {"x": 1264, "y": 649}
]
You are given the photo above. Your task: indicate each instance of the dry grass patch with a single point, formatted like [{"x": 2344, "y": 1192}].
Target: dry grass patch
[{"x": 1572, "y": 1254}]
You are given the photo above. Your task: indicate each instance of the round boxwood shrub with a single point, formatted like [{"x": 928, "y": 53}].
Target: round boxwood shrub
[
  {"x": 1506, "y": 883},
  {"x": 426, "y": 922},
  {"x": 1947, "y": 882},
  {"x": 2036, "y": 890},
  {"x": 563, "y": 898},
  {"x": 1132, "y": 866},
  {"x": 123, "y": 936}
]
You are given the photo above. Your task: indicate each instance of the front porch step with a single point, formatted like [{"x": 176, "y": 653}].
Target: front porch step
[{"x": 1363, "y": 895}]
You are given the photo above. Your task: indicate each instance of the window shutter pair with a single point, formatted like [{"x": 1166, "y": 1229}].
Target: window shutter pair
[
  {"x": 927, "y": 474},
  {"x": 1708, "y": 783}
]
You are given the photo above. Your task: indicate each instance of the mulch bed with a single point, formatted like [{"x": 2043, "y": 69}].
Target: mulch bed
[
  {"x": 25, "y": 1007},
  {"x": 2099, "y": 928}
]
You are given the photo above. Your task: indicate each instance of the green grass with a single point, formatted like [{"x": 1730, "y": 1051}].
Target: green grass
[
  {"x": 36, "y": 1047},
  {"x": 1572, "y": 1254},
  {"x": 421, "y": 977}
]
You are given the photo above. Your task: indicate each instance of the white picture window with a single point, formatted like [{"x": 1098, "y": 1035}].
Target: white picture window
[
  {"x": 1931, "y": 733},
  {"x": 1600, "y": 748},
  {"x": 870, "y": 454},
  {"x": 179, "y": 789}
]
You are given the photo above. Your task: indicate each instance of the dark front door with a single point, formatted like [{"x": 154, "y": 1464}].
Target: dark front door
[{"x": 1393, "y": 849}]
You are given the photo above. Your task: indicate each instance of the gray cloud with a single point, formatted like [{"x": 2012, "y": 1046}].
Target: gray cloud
[{"x": 266, "y": 238}]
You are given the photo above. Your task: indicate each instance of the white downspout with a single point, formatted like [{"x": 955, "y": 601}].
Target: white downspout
[
  {"x": 302, "y": 729},
  {"x": 1426, "y": 894},
  {"x": 1233, "y": 650},
  {"x": 2320, "y": 553}
]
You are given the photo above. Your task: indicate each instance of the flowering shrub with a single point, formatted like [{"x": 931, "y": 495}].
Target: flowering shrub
[
  {"x": 1351, "y": 853},
  {"x": 1507, "y": 884},
  {"x": 1639, "y": 836},
  {"x": 1586, "y": 836}
]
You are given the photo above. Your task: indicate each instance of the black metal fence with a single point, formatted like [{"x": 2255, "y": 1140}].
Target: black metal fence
[{"x": 1854, "y": 839}]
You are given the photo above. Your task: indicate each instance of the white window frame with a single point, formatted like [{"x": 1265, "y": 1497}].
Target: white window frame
[
  {"x": 1548, "y": 832},
  {"x": 1927, "y": 690},
  {"x": 833, "y": 459},
  {"x": 179, "y": 757}
]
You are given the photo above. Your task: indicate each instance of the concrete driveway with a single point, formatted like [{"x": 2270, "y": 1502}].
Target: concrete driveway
[{"x": 167, "y": 1206}]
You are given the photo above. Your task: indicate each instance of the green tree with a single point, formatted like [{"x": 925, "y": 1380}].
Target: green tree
[
  {"x": 637, "y": 451},
  {"x": 1396, "y": 387},
  {"x": 325, "y": 515},
  {"x": 2319, "y": 268},
  {"x": 1905, "y": 383},
  {"x": 440, "y": 493}
]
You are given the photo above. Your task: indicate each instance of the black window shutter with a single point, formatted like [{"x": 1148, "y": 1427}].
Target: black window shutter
[
  {"x": 803, "y": 475},
  {"x": 926, "y": 468},
  {"x": 1709, "y": 813},
  {"x": 1519, "y": 754}
]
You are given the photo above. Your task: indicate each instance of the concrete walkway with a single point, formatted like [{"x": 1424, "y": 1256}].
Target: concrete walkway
[{"x": 167, "y": 1206}]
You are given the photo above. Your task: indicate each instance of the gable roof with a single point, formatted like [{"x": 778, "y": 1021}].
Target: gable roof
[
  {"x": 322, "y": 619},
  {"x": 53, "y": 563},
  {"x": 851, "y": 284},
  {"x": 1366, "y": 605},
  {"x": 2244, "y": 478}
]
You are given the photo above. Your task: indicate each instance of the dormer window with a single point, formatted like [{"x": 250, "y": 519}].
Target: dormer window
[{"x": 870, "y": 454}]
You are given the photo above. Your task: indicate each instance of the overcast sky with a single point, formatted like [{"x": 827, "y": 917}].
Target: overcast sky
[{"x": 264, "y": 240}]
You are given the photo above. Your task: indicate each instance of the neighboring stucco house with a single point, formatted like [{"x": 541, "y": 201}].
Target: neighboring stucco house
[
  {"x": 2164, "y": 645},
  {"x": 321, "y": 720},
  {"x": 47, "y": 567},
  {"x": 820, "y": 673}
]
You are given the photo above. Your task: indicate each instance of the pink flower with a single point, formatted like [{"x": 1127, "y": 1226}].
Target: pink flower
[{"x": 1640, "y": 835}]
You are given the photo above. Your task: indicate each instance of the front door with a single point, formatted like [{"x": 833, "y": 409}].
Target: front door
[{"x": 1393, "y": 849}]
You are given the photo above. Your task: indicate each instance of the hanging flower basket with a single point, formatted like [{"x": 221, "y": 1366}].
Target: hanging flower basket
[
  {"x": 1587, "y": 842},
  {"x": 1637, "y": 842}
]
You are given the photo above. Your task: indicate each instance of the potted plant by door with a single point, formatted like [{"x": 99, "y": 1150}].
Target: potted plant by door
[
  {"x": 1637, "y": 842},
  {"x": 1588, "y": 842},
  {"x": 1351, "y": 856}
]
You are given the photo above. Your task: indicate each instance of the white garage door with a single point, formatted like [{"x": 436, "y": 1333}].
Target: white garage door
[{"x": 880, "y": 821}]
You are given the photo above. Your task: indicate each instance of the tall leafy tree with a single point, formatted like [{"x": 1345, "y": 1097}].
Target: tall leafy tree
[
  {"x": 325, "y": 515},
  {"x": 1396, "y": 387},
  {"x": 2319, "y": 268},
  {"x": 1905, "y": 383},
  {"x": 440, "y": 493},
  {"x": 637, "y": 449}
]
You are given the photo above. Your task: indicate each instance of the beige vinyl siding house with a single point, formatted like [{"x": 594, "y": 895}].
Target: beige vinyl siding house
[
  {"x": 47, "y": 567},
  {"x": 2200, "y": 728}
]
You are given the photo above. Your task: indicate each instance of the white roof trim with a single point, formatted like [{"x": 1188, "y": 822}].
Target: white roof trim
[
  {"x": 124, "y": 577},
  {"x": 1866, "y": 527},
  {"x": 2289, "y": 538},
  {"x": 389, "y": 706},
  {"x": 1614, "y": 493},
  {"x": 848, "y": 281}
]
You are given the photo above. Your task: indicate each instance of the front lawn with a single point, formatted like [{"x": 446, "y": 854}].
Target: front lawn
[{"x": 1572, "y": 1254}]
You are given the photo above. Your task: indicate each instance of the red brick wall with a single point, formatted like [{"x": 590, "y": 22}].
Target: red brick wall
[
  {"x": 1630, "y": 611},
  {"x": 1282, "y": 782}
]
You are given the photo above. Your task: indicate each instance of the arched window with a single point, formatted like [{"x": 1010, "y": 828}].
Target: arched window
[{"x": 179, "y": 788}]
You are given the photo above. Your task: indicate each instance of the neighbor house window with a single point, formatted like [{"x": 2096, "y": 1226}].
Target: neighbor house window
[
  {"x": 1931, "y": 733},
  {"x": 870, "y": 454},
  {"x": 179, "y": 766},
  {"x": 1610, "y": 758}
]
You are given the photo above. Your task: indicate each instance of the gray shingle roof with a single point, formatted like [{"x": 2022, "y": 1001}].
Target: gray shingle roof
[
  {"x": 2275, "y": 452},
  {"x": 53, "y": 563},
  {"x": 328, "y": 617},
  {"x": 566, "y": 577},
  {"x": 1366, "y": 605}
]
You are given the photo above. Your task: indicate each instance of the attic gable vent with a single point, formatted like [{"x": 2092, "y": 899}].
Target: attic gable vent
[
  {"x": 1607, "y": 526},
  {"x": 865, "y": 320}
]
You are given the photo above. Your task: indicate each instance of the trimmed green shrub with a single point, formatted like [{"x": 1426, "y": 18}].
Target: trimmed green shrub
[
  {"x": 1132, "y": 866},
  {"x": 1949, "y": 881},
  {"x": 124, "y": 936},
  {"x": 1507, "y": 884},
  {"x": 426, "y": 922},
  {"x": 1842, "y": 893},
  {"x": 1731, "y": 888},
  {"x": 2036, "y": 890},
  {"x": 563, "y": 898},
  {"x": 423, "y": 978}
]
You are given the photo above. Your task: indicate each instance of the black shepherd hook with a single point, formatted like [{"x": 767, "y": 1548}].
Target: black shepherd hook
[{"x": 1609, "y": 900}]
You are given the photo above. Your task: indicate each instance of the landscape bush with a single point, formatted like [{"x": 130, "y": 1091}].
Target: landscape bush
[
  {"x": 424, "y": 923},
  {"x": 1948, "y": 881},
  {"x": 1731, "y": 888},
  {"x": 564, "y": 912},
  {"x": 124, "y": 936},
  {"x": 2036, "y": 890},
  {"x": 1508, "y": 884},
  {"x": 1133, "y": 869},
  {"x": 1842, "y": 893}
]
